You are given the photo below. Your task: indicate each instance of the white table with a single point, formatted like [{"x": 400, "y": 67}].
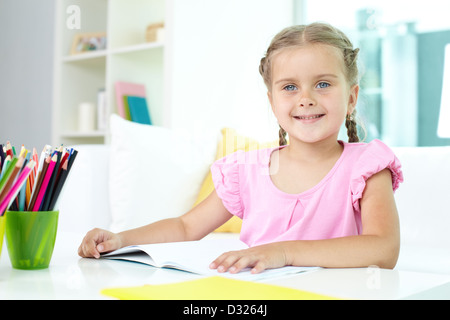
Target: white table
[{"x": 71, "y": 277}]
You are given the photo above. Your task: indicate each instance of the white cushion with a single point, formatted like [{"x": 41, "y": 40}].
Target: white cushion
[{"x": 155, "y": 173}]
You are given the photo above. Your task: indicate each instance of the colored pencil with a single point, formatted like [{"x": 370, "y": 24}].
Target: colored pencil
[
  {"x": 7, "y": 169},
  {"x": 35, "y": 159},
  {"x": 22, "y": 192},
  {"x": 2, "y": 156},
  {"x": 72, "y": 157},
  {"x": 28, "y": 184},
  {"x": 11, "y": 178},
  {"x": 66, "y": 169},
  {"x": 9, "y": 151},
  {"x": 38, "y": 168},
  {"x": 32, "y": 183},
  {"x": 44, "y": 185},
  {"x": 38, "y": 183},
  {"x": 12, "y": 193},
  {"x": 59, "y": 186},
  {"x": 5, "y": 165},
  {"x": 51, "y": 183},
  {"x": 65, "y": 158}
]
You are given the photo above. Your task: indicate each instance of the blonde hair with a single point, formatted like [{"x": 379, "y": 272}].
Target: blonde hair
[{"x": 320, "y": 33}]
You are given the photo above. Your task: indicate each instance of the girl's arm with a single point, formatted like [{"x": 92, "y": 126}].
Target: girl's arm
[
  {"x": 378, "y": 244},
  {"x": 194, "y": 225}
]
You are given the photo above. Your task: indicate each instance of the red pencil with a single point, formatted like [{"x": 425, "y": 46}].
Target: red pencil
[{"x": 9, "y": 151}]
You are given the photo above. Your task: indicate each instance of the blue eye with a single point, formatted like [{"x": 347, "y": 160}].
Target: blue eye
[
  {"x": 290, "y": 87},
  {"x": 322, "y": 85}
]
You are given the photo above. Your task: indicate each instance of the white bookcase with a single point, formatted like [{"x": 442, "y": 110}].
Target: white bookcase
[{"x": 127, "y": 57}]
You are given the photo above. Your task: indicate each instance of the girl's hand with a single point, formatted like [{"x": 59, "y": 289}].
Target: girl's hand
[
  {"x": 259, "y": 258},
  {"x": 99, "y": 241}
]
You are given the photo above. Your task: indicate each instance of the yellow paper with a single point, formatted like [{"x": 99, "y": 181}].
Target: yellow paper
[{"x": 212, "y": 288}]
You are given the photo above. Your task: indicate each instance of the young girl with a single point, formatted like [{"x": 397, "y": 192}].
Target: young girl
[{"x": 316, "y": 201}]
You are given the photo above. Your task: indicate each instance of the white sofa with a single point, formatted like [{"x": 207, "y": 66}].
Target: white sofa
[{"x": 423, "y": 200}]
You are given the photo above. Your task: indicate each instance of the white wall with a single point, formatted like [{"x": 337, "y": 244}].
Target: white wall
[
  {"x": 217, "y": 49},
  {"x": 26, "y": 71}
]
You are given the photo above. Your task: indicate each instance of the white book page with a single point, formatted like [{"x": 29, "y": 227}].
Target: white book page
[
  {"x": 195, "y": 257},
  {"x": 192, "y": 256}
]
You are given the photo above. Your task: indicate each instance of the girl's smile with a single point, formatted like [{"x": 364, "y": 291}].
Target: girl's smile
[{"x": 309, "y": 118}]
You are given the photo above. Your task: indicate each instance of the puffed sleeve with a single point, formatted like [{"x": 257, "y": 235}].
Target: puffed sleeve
[
  {"x": 374, "y": 158},
  {"x": 225, "y": 176}
]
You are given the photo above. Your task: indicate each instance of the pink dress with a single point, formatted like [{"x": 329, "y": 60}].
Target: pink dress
[{"x": 328, "y": 210}]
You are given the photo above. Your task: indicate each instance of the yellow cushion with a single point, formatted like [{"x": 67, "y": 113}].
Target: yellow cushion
[{"x": 230, "y": 143}]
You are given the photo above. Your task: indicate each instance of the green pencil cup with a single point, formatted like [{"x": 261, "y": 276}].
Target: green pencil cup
[
  {"x": 30, "y": 238},
  {"x": 2, "y": 232}
]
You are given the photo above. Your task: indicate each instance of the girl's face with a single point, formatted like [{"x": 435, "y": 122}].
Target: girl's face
[{"x": 310, "y": 94}]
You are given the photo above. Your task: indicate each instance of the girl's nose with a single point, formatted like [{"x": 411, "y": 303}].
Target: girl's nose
[{"x": 306, "y": 101}]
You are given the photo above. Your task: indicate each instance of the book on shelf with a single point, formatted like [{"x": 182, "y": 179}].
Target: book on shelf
[
  {"x": 138, "y": 109},
  {"x": 124, "y": 89},
  {"x": 126, "y": 109}
]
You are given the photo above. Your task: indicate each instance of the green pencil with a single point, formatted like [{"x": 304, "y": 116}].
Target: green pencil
[{"x": 7, "y": 173}]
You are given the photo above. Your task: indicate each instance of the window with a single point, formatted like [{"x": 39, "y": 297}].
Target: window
[{"x": 402, "y": 57}]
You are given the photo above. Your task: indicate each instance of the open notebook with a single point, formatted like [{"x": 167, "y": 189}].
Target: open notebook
[{"x": 194, "y": 257}]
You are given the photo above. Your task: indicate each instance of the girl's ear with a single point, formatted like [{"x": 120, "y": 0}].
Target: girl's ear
[{"x": 353, "y": 99}]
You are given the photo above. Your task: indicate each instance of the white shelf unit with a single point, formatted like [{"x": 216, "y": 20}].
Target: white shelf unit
[{"x": 128, "y": 57}]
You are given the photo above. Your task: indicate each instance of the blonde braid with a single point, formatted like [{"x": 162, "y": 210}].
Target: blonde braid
[
  {"x": 352, "y": 128},
  {"x": 282, "y": 137}
]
